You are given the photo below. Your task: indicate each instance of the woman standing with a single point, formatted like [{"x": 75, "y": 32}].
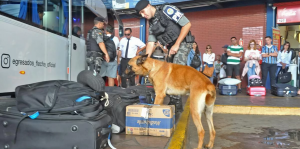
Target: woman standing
[
  {"x": 283, "y": 59},
  {"x": 193, "y": 52},
  {"x": 208, "y": 59},
  {"x": 252, "y": 58}
]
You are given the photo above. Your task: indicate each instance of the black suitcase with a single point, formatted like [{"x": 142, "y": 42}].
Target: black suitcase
[
  {"x": 147, "y": 93},
  {"x": 284, "y": 90},
  {"x": 52, "y": 131},
  {"x": 118, "y": 100},
  {"x": 228, "y": 90}
]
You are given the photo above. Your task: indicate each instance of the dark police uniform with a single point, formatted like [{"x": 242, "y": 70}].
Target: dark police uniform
[
  {"x": 165, "y": 27},
  {"x": 94, "y": 37}
]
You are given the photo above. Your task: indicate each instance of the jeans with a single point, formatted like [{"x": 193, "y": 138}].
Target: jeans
[
  {"x": 251, "y": 71},
  {"x": 271, "y": 68}
]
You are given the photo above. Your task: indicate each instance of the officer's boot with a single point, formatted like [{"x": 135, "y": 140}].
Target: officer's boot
[{"x": 177, "y": 101}]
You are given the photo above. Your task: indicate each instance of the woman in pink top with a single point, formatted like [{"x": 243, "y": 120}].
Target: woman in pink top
[{"x": 252, "y": 58}]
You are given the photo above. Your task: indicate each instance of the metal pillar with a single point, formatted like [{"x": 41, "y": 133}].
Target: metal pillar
[
  {"x": 82, "y": 18},
  {"x": 70, "y": 38}
]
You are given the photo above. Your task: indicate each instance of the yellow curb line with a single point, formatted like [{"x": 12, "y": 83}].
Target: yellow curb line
[
  {"x": 256, "y": 110},
  {"x": 178, "y": 138}
]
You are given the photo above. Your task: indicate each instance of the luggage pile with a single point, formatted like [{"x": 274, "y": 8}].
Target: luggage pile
[
  {"x": 49, "y": 112},
  {"x": 282, "y": 88},
  {"x": 256, "y": 87}
]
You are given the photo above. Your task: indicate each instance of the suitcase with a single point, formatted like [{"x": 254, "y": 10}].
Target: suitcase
[
  {"x": 256, "y": 91},
  {"x": 284, "y": 90},
  {"x": 52, "y": 131},
  {"x": 118, "y": 100},
  {"x": 230, "y": 90}
]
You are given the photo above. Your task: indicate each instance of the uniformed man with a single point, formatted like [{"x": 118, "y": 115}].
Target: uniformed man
[
  {"x": 95, "y": 44},
  {"x": 170, "y": 27}
]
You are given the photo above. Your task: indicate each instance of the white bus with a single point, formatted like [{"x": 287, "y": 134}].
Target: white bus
[{"x": 34, "y": 41}]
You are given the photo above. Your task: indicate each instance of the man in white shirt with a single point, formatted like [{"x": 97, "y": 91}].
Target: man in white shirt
[
  {"x": 109, "y": 69},
  {"x": 128, "y": 48}
]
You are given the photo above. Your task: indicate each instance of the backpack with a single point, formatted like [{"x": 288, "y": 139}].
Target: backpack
[
  {"x": 293, "y": 54},
  {"x": 255, "y": 82},
  {"x": 58, "y": 97},
  {"x": 196, "y": 61},
  {"x": 224, "y": 58},
  {"x": 110, "y": 47}
]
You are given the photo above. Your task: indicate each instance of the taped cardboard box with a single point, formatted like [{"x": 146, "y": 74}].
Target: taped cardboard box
[{"x": 154, "y": 120}]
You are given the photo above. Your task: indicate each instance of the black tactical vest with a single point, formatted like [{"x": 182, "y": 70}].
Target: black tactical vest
[
  {"x": 92, "y": 43},
  {"x": 164, "y": 29}
]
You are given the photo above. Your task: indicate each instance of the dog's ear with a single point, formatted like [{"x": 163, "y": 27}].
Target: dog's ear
[{"x": 141, "y": 59}]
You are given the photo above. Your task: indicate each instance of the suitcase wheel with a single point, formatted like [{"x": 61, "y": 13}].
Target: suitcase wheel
[
  {"x": 229, "y": 93},
  {"x": 103, "y": 144}
]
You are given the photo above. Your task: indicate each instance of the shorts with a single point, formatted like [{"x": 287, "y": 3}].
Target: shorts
[
  {"x": 109, "y": 69},
  {"x": 233, "y": 68}
]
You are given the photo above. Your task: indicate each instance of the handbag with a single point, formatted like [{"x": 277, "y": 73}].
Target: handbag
[
  {"x": 284, "y": 77},
  {"x": 196, "y": 62},
  {"x": 208, "y": 71}
]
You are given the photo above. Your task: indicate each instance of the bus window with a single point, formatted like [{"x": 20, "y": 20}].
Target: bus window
[{"x": 52, "y": 16}]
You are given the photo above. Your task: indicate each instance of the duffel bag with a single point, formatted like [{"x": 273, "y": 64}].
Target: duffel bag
[
  {"x": 59, "y": 97},
  {"x": 147, "y": 93},
  {"x": 50, "y": 131},
  {"x": 118, "y": 100}
]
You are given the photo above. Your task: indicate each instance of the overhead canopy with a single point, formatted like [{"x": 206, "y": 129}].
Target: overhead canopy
[{"x": 128, "y": 4}]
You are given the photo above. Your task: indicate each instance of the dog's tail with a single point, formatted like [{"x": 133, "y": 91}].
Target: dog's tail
[{"x": 211, "y": 95}]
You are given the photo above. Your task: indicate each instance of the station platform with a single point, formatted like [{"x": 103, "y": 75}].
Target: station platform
[
  {"x": 241, "y": 122},
  {"x": 244, "y": 116}
]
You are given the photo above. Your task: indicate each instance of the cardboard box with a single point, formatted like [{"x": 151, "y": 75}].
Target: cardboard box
[{"x": 154, "y": 120}]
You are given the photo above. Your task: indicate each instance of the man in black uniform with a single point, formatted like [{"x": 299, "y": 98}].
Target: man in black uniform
[
  {"x": 170, "y": 27},
  {"x": 95, "y": 44}
]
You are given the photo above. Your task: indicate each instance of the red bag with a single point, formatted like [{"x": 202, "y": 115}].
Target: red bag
[{"x": 256, "y": 91}]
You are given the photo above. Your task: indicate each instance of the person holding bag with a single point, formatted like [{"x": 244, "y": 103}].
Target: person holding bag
[
  {"x": 283, "y": 60},
  {"x": 252, "y": 58},
  {"x": 194, "y": 57},
  {"x": 208, "y": 59}
]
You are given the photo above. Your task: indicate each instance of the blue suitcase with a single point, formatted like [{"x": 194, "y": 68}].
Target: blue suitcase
[{"x": 230, "y": 90}]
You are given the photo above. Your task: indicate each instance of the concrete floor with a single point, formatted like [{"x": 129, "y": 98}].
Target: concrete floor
[
  {"x": 249, "y": 132},
  {"x": 123, "y": 141},
  {"x": 268, "y": 100},
  {"x": 233, "y": 131}
]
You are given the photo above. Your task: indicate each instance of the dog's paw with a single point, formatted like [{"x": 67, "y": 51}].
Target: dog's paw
[{"x": 206, "y": 147}]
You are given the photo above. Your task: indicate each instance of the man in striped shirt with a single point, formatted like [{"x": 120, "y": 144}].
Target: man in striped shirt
[
  {"x": 269, "y": 61},
  {"x": 234, "y": 53}
]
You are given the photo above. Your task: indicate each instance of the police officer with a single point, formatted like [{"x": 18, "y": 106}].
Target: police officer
[
  {"x": 170, "y": 27},
  {"x": 95, "y": 44}
]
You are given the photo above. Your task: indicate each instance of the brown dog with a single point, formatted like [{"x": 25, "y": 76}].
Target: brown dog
[{"x": 174, "y": 79}]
